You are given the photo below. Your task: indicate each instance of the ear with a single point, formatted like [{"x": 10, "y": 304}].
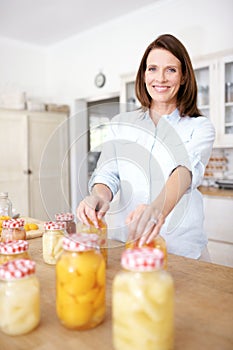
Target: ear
[{"x": 182, "y": 80}]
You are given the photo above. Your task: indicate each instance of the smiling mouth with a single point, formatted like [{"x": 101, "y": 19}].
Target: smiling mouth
[{"x": 160, "y": 88}]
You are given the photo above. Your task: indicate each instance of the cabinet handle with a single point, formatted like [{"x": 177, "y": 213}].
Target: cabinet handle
[{"x": 27, "y": 172}]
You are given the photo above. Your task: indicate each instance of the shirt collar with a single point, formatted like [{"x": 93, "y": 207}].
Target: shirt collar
[{"x": 174, "y": 117}]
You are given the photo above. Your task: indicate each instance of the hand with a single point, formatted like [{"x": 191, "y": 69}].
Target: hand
[
  {"x": 93, "y": 208},
  {"x": 144, "y": 223}
]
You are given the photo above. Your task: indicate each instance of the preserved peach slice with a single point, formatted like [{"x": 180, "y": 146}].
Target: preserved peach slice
[
  {"x": 80, "y": 284},
  {"x": 77, "y": 315}
]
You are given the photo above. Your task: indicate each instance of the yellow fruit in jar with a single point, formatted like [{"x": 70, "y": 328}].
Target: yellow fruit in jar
[
  {"x": 80, "y": 284},
  {"x": 88, "y": 261},
  {"x": 100, "y": 299},
  {"x": 88, "y": 297},
  {"x": 77, "y": 315},
  {"x": 101, "y": 274}
]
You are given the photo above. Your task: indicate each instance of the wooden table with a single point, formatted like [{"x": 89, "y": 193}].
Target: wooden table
[{"x": 203, "y": 308}]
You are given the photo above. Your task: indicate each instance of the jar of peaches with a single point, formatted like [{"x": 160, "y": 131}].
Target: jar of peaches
[
  {"x": 68, "y": 219},
  {"x": 80, "y": 282},
  {"x": 101, "y": 231},
  {"x": 13, "y": 250},
  {"x": 158, "y": 242},
  {"x": 19, "y": 297},
  {"x": 13, "y": 230},
  {"x": 143, "y": 302},
  {"x": 52, "y": 241}
]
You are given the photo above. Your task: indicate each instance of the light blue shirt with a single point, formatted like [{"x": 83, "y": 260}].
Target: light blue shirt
[{"x": 135, "y": 163}]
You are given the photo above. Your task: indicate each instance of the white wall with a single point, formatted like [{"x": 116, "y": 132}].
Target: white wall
[
  {"x": 204, "y": 26},
  {"x": 65, "y": 72},
  {"x": 23, "y": 68}
]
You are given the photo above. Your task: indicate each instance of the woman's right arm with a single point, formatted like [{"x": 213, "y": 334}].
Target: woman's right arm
[{"x": 96, "y": 205}]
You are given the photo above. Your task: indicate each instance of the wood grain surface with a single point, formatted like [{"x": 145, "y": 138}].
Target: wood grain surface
[{"x": 203, "y": 308}]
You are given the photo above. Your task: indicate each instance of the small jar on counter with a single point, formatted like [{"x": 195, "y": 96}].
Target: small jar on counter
[
  {"x": 80, "y": 281},
  {"x": 5, "y": 205},
  {"x": 158, "y": 242},
  {"x": 143, "y": 302},
  {"x": 101, "y": 231},
  {"x": 13, "y": 250},
  {"x": 13, "y": 230},
  {"x": 52, "y": 241},
  {"x": 68, "y": 219},
  {"x": 19, "y": 297}
]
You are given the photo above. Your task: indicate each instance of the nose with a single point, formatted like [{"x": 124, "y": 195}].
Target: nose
[{"x": 160, "y": 75}]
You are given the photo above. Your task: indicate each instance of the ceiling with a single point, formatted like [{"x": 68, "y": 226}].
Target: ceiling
[{"x": 46, "y": 22}]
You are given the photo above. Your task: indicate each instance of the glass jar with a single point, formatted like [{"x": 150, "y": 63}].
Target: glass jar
[
  {"x": 80, "y": 281},
  {"x": 5, "y": 205},
  {"x": 13, "y": 230},
  {"x": 52, "y": 241},
  {"x": 68, "y": 219},
  {"x": 101, "y": 231},
  {"x": 158, "y": 242},
  {"x": 143, "y": 302},
  {"x": 19, "y": 297},
  {"x": 13, "y": 250}
]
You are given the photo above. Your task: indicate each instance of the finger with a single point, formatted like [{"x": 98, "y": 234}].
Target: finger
[
  {"x": 156, "y": 229},
  {"x": 103, "y": 210}
]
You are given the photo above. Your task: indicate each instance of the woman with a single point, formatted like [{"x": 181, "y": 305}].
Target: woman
[{"x": 155, "y": 157}]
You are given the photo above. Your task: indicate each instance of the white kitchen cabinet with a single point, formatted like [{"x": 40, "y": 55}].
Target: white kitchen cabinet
[
  {"x": 34, "y": 164},
  {"x": 128, "y": 99},
  {"x": 215, "y": 94},
  {"x": 218, "y": 226}
]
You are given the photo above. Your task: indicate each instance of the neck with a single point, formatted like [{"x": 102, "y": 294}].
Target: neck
[{"x": 157, "y": 111}]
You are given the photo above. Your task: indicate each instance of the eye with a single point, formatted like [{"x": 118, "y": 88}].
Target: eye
[
  {"x": 171, "y": 69},
  {"x": 151, "y": 69}
]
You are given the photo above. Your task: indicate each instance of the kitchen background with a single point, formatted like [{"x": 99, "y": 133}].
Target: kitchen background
[{"x": 59, "y": 77}]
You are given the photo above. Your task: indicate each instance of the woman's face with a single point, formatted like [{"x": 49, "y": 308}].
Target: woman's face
[{"x": 163, "y": 77}]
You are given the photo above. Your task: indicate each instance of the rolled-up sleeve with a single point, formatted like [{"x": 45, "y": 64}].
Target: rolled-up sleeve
[{"x": 199, "y": 147}]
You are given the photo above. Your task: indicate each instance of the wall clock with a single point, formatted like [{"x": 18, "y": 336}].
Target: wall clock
[{"x": 100, "y": 80}]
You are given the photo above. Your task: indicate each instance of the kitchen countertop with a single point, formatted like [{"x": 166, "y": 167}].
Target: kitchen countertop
[
  {"x": 217, "y": 192},
  {"x": 203, "y": 308}
]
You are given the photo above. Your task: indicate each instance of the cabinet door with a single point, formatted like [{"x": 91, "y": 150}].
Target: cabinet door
[
  {"x": 128, "y": 99},
  {"x": 225, "y": 128},
  {"x": 49, "y": 164},
  {"x": 14, "y": 159}
]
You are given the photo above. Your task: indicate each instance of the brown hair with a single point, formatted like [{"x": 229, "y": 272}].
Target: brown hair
[{"x": 187, "y": 94}]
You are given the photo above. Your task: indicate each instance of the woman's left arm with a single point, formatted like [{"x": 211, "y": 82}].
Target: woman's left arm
[{"x": 146, "y": 220}]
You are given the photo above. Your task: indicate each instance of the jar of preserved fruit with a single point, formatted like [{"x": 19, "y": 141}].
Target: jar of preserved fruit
[
  {"x": 68, "y": 219},
  {"x": 52, "y": 241},
  {"x": 13, "y": 230},
  {"x": 143, "y": 302},
  {"x": 13, "y": 250},
  {"x": 80, "y": 281},
  {"x": 101, "y": 231},
  {"x": 158, "y": 242},
  {"x": 19, "y": 297}
]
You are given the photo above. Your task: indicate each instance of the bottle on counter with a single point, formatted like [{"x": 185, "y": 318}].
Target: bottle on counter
[
  {"x": 52, "y": 241},
  {"x": 158, "y": 242},
  {"x": 13, "y": 230},
  {"x": 68, "y": 219},
  {"x": 19, "y": 297},
  {"x": 5, "y": 204},
  {"x": 101, "y": 231},
  {"x": 81, "y": 282},
  {"x": 13, "y": 250},
  {"x": 142, "y": 302}
]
